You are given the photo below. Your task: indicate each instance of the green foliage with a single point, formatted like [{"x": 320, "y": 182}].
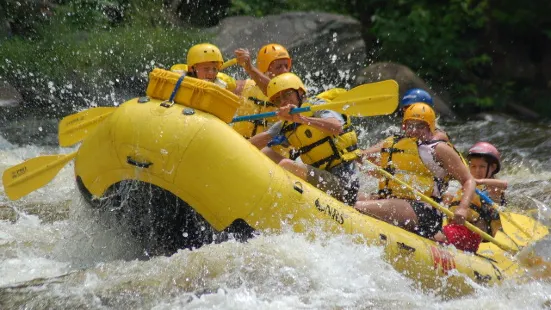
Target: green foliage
[
  {"x": 66, "y": 58},
  {"x": 436, "y": 41},
  {"x": 260, "y": 8}
]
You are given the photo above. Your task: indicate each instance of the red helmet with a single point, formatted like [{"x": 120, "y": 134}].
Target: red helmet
[{"x": 487, "y": 150}]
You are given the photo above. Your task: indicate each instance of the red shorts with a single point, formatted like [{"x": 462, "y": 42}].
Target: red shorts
[{"x": 461, "y": 237}]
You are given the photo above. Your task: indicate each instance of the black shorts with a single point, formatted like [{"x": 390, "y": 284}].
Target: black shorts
[
  {"x": 429, "y": 220},
  {"x": 340, "y": 181}
]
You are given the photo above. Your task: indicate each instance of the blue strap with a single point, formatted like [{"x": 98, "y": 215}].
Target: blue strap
[
  {"x": 176, "y": 87},
  {"x": 277, "y": 140},
  {"x": 484, "y": 196},
  {"x": 266, "y": 114}
]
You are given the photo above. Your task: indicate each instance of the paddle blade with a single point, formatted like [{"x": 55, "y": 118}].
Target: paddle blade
[
  {"x": 32, "y": 174},
  {"x": 76, "y": 127},
  {"x": 229, "y": 63},
  {"x": 537, "y": 259},
  {"x": 380, "y": 98},
  {"x": 522, "y": 229}
]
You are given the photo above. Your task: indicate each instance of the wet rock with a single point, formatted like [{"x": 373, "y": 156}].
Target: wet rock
[
  {"x": 407, "y": 79},
  {"x": 327, "y": 49},
  {"x": 9, "y": 96}
]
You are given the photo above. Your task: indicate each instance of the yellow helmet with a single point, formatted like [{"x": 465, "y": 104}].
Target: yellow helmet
[
  {"x": 204, "y": 52},
  {"x": 269, "y": 53},
  {"x": 421, "y": 112},
  {"x": 282, "y": 82}
]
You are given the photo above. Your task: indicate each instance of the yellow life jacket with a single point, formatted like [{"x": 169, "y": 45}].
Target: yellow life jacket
[
  {"x": 319, "y": 149},
  {"x": 477, "y": 209},
  {"x": 223, "y": 80},
  {"x": 400, "y": 157},
  {"x": 253, "y": 101}
]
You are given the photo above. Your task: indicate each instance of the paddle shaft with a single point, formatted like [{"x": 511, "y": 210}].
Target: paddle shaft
[
  {"x": 267, "y": 114},
  {"x": 444, "y": 210}
]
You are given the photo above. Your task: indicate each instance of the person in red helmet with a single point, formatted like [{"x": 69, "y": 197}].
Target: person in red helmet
[{"x": 484, "y": 163}]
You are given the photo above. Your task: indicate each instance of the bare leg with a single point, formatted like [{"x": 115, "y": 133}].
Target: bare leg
[
  {"x": 298, "y": 169},
  {"x": 394, "y": 211}
]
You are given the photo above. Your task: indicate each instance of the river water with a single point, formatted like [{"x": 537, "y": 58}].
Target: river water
[{"x": 55, "y": 254}]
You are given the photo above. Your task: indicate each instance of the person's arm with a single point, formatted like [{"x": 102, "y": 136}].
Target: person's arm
[
  {"x": 372, "y": 154},
  {"x": 244, "y": 60},
  {"x": 262, "y": 139},
  {"x": 328, "y": 125},
  {"x": 454, "y": 166},
  {"x": 501, "y": 184}
]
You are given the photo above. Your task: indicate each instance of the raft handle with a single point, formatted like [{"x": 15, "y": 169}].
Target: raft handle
[
  {"x": 405, "y": 247},
  {"x": 298, "y": 187},
  {"x": 138, "y": 164}
]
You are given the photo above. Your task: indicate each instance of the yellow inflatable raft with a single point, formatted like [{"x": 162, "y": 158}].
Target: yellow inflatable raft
[{"x": 178, "y": 173}]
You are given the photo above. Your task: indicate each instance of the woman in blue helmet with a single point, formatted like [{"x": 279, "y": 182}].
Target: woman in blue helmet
[{"x": 416, "y": 95}]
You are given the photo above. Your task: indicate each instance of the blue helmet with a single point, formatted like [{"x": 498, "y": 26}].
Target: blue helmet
[{"x": 415, "y": 95}]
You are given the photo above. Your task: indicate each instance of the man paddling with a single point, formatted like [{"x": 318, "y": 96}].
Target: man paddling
[{"x": 324, "y": 141}]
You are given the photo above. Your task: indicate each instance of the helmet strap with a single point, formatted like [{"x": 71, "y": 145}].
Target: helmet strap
[{"x": 300, "y": 98}]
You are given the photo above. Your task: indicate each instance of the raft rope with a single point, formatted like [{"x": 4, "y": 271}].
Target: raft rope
[{"x": 176, "y": 87}]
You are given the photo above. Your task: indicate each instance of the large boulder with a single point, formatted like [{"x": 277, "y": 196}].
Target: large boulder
[
  {"x": 327, "y": 49},
  {"x": 406, "y": 79},
  {"x": 9, "y": 96}
]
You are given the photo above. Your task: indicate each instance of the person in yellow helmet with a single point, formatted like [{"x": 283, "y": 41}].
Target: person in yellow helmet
[
  {"x": 204, "y": 62},
  {"x": 324, "y": 140},
  {"x": 272, "y": 60},
  {"x": 425, "y": 163}
]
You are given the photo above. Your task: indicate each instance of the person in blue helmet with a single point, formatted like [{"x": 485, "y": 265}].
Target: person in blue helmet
[{"x": 416, "y": 95}]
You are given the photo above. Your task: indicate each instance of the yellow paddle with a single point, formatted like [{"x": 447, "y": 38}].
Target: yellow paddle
[
  {"x": 32, "y": 174},
  {"x": 371, "y": 99},
  {"x": 444, "y": 210},
  {"x": 75, "y": 127},
  {"x": 522, "y": 229}
]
